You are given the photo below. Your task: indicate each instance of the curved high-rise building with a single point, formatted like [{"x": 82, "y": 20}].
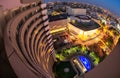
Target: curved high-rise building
[{"x": 28, "y": 42}]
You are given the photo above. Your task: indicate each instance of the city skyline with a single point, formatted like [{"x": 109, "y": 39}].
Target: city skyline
[{"x": 111, "y": 5}]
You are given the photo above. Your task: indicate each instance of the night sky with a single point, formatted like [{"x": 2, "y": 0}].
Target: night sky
[{"x": 112, "y": 5}]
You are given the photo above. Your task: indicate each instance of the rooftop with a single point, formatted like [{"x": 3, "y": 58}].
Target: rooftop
[
  {"x": 86, "y": 26},
  {"x": 83, "y": 17},
  {"x": 57, "y": 17}
]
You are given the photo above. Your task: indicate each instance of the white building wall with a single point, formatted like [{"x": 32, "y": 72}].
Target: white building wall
[
  {"x": 76, "y": 11},
  {"x": 79, "y": 11}
]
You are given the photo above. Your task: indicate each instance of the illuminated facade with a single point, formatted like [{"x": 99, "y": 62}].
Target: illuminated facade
[
  {"x": 28, "y": 42},
  {"x": 83, "y": 35}
]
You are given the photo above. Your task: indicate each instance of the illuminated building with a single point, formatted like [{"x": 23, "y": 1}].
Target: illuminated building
[
  {"x": 118, "y": 26},
  {"x": 57, "y": 26},
  {"x": 84, "y": 29}
]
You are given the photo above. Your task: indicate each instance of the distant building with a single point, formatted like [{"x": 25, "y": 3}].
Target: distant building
[
  {"x": 118, "y": 26},
  {"x": 119, "y": 20},
  {"x": 76, "y": 11}
]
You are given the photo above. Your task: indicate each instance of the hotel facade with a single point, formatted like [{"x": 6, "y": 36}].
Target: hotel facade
[{"x": 28, "y": 42}]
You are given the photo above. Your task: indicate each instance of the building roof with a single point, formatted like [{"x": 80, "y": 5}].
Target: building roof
[
  {"x": 86, "y": 26},
  {"x": 84, "y": 17},
  {"x": 57, "y": 17}
]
